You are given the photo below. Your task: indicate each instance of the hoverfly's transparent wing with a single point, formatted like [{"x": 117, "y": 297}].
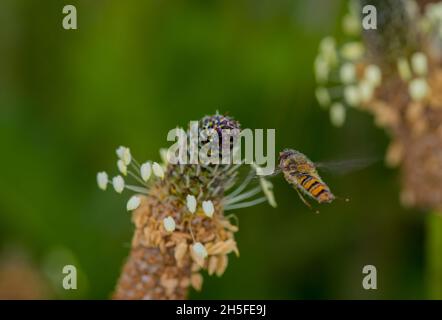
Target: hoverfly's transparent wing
[{"x": 346, "y": 166}]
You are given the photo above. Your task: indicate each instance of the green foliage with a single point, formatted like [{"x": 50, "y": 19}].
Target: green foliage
[{"x": 136, "y": 69}]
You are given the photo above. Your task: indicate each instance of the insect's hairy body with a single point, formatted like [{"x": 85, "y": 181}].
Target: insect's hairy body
[{"x": 301, "y": 172}]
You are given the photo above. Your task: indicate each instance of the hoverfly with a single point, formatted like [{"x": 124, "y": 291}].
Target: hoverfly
[{"x": 301, "y": 173}]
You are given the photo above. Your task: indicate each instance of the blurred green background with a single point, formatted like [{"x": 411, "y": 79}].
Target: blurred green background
[{"x": 134, "y": 70}]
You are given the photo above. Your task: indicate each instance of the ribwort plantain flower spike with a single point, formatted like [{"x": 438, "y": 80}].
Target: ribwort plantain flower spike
[
  {"x": 178, "y": 230},
  {"x": 399, "y": 81}
]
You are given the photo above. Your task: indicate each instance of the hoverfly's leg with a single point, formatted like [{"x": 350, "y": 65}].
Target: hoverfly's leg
[{"x": 305, "y": 201}]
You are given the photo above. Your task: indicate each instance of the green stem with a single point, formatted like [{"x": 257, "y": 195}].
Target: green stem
[{"x": 434, "y": 254}]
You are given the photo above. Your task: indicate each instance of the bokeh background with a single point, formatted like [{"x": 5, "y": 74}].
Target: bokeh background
[{"x": 134, "y": 70}]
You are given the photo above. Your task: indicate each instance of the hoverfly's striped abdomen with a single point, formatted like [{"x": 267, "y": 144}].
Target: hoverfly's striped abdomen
[
  {"x": 314, "y": 187},
  {"x": 300, "y": 172}
]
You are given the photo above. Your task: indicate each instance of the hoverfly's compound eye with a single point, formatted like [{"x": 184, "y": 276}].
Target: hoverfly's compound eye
[{"x": 286, "y": 153}]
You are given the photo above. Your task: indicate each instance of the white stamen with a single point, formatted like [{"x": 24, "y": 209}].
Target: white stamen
[
  {"x": 321, "y": 69},
  {"x": 118, "y": 183},
  {"x": 373, "y": 75},
  {"x": 133, "y": 203},
  {"x": 419, "y": 63},
  {"x": 158, "y": 170},
  {"x": 267, "y": 188},
  {"x": 191, "y": 203},
  {"x": 208, "y": 208},
  {"x": 337, "y": 114},
  {"x": 351, "y": 24},
  {"x": 351, "y": 95},
  {"x": 322, "y": 96},
  {"x": 120, "y": 152},
  {"x": 127, "y": 157},
  {"x": 404, "y": 69},
  {"x": 146, "y": 171},
  {"x": 327, "y": 48},
  {"x": 122, "y": 167},
  {"x": 366, "y": 90},
  {"x": 169, "y": 224},
  {"x": 418, "y": 89},
  {"x": 102, "y": 180},
  {"x": 163, "y": 155},
  {"x": 347, "y": 73},
  {"x": 352, "y": 51},
  {"x": 199, "y": 249},
  {"x": 124, "y": 154}
]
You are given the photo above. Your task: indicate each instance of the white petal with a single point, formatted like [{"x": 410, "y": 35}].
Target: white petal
[
  {"x": 199, "y": 250},
  {"x": 208, "y": 208},
  {"x": 118, "y": 183},
  {"x": 191, "y": 203},
  {"x": 122, "y": 167},
  {"x": 169, "y": 224},
  {"x": 158, "y": 170},
  {"x": 146, "y": 171},
  {"x": 133, "y": 203},
  {"x": 102, "y": 180}
]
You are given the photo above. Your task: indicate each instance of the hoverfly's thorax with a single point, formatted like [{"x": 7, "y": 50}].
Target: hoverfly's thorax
[{"x": 294, "y": 162}]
